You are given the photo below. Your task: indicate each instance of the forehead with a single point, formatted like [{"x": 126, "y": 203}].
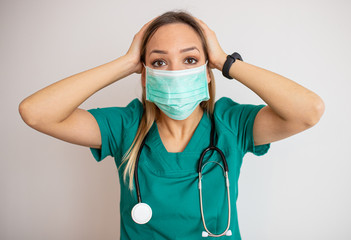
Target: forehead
[{"x": 174, "y": 36}]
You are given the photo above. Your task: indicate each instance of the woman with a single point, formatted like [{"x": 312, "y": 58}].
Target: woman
[{"x": 175, "y": 53}]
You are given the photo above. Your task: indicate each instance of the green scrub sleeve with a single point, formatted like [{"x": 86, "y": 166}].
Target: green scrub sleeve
[
  {"x": 113, "y": 123},
  {"x": 239, "y": 119},
  {"x": 108, "y": 145},
  {"x": 260, "y": 149}
]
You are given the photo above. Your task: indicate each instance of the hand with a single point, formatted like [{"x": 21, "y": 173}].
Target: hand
[
  {"x": 134, "y": 49},
  {"x": 216, "y": 55}
]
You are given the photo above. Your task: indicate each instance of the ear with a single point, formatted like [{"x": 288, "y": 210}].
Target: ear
[{"x": 208, "y": 75}]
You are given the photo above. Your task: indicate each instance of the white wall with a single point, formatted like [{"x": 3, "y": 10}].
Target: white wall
[{"x": 54, "y": 190}]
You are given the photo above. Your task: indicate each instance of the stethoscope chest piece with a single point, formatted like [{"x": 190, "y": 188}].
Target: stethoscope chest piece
[{"x": 141, "y": 213}]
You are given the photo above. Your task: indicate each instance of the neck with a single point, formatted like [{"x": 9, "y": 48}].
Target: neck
[{"x": 178, "y": 129}]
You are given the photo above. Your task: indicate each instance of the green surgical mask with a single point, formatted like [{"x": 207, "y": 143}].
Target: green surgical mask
[{"x": 177, "y": 93}]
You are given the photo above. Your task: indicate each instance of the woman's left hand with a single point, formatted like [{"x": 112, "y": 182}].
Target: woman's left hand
[{"x": 216, "y": 55}]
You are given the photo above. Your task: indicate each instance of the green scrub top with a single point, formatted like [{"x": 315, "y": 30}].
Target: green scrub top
[{"x": 169, "y": 181}]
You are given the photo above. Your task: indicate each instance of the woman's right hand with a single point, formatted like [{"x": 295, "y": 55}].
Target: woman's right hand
[{"x": 134, "y": 50}]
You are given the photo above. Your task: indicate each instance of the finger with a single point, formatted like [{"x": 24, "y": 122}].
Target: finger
[
  {"x": 139, "y": 35},
  {"x": 147, "y": 24},
  {"x": 202, "y": 23}
]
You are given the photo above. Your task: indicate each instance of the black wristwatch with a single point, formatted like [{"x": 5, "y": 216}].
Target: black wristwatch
[{"x": 228, "y": 63}]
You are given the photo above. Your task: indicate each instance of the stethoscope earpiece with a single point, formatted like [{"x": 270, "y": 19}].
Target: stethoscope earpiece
[{"x": 206, "y": 234}]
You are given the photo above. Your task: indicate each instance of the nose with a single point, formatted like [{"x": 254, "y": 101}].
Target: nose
[{"x": 175, "y": 65}]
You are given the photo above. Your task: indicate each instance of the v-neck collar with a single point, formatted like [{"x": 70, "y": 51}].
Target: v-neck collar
[{"x": 156, "y": 141}]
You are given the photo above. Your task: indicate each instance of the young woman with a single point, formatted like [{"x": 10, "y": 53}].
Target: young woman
[{"x": 174, "y": 123}]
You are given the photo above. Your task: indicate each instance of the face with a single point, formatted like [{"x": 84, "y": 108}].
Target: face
[{"x": 174, "y": 46}]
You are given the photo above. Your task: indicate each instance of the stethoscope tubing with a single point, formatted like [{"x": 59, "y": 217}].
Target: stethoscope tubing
[
  {"x": 202, "y": 210},
  {"x": 136, "y": 179},
  {"x": 199, "y": 170},
  {"x": 209, "y": 149}
]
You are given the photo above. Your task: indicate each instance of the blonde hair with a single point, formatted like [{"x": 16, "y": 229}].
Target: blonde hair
[{"x": 151, "y": 112}]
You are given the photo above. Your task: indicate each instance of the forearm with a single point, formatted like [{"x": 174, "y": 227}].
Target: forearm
[
  {"x": 289, "y": 100},
  {"x": 57, "y": 101}
]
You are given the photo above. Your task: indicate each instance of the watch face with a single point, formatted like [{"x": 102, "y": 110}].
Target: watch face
[
  {"x": 237, "y": 56},
  {"x": 231, "y": 59}
]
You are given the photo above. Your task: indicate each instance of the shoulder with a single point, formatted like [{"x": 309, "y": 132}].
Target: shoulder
[
  {"x": 224, "y": 102},
  {"x": 129, "y": 114},
  {"x": 233, "y": 114},
  {"x": 135, "y": 106},
  {"x": 220, "y": 113}
]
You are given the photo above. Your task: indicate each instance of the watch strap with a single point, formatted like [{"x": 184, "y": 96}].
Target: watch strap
[{"x": 228, "y": 63}]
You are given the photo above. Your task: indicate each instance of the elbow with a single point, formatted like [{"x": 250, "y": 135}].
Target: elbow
[
  {"x": 315, "y": 112},
  {"x": 26, "y": 111}
]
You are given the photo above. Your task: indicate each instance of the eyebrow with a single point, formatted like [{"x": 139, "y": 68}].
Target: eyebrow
[{"x": 181, "y": 51}]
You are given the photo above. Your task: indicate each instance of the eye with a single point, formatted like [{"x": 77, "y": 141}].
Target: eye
[
  {"x": 191, "y": 60},
  {"x": 158, "y": 63}
]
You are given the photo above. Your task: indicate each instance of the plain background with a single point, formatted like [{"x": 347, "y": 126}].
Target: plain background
[{"x": 54, "y": 190}]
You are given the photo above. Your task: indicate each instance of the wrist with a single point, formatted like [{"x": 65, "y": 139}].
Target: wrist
[
  {"x": 220, "y": 61},
  {"x": 131, "y": 64}
]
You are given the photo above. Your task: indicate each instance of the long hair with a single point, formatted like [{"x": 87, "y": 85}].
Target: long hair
[{"x": 151, "y": 111}]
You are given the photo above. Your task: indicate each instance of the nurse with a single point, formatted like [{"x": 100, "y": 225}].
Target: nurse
[{"x": 170, "y": 127}]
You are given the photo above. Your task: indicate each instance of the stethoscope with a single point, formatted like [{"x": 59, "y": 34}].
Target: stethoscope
[{"x": 142, "y": 213}]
